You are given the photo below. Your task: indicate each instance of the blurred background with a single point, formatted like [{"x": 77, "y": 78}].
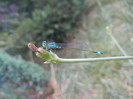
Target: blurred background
[{"x": 24, "y": 76}]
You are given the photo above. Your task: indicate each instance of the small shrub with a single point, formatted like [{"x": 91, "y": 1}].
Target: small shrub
[{"x": 19, "y": 73}]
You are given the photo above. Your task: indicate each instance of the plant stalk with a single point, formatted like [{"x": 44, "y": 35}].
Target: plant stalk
[{"x": 61, "y": 60}]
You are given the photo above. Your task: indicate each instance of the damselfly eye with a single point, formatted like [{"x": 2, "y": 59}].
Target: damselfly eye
[{"x": 44, "y": 43}]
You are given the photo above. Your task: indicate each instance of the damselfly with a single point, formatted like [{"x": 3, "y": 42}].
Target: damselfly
[{"x": 53, "y": 45}]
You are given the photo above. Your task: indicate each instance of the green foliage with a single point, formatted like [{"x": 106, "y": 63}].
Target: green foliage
[
  {"x": 19, "y": 73},
  {"x": 44, "y": 20}
]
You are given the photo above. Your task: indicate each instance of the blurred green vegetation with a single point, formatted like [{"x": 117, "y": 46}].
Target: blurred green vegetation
[
  {"x": 55, "y": 20},
  {"x": 15, "y": 72},
  {"x": 36, "y": 21},
  {"x": 32, "y": 21}
]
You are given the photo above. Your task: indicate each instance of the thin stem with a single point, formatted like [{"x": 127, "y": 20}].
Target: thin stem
[
  {"x": 117, "y": 44},
  {"x": 60, "y": 60}
]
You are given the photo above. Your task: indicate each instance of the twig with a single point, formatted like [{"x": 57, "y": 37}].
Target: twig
[{"x": 93, "y": 59}]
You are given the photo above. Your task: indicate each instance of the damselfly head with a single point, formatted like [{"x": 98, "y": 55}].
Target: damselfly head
[{"x": 44, "y": 44}]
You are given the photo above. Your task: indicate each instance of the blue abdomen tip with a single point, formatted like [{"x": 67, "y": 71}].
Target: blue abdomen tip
[{"x": 99, "y": 53}]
